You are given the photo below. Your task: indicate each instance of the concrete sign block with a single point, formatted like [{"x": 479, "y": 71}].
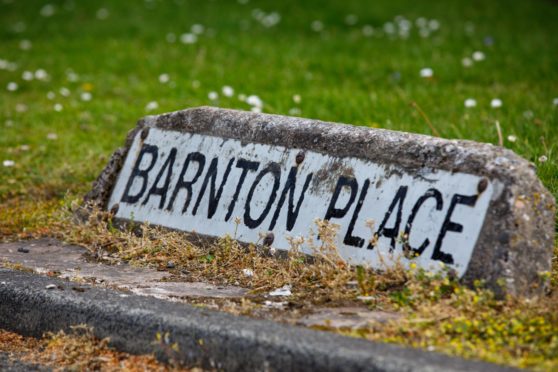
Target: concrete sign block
[{"x": 475, "y": 208}]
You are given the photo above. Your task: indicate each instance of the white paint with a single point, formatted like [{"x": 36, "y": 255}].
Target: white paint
[{"x": 384, "y": 183}]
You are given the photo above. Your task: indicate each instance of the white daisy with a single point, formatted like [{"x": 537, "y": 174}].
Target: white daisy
[
  {"x": 213, "y": 96},
  {"x": 317, "y": 26},
  {"x": 153, "y": 105},
  {"x": 48, "y": 10},
  {"x": 434, "y": 24},
  {"x": 25, "y": 44},
  {"x": 8, "y": 163},
  {"x": 467, "y": 62},
  {"x": 351, "y": 19},
  {"x": 197, "y": 29},
  {"x": 41, "y": 74},
  {"x": 164, "y": 78},
  {"x": 470, "y": 102},
  {"x": 188, "y": 38},
  {"x": 254, "y": 100},
  {"x": 58, "y": 107},
  {"x": 496, "y": 103},
  {"x": 86, "y": 96},
  {"x": 27, "y": 75},
  {"x": 367, "y": 30},
  {"x": 64, "y": 91},
  {"x": 478, "y": 56},
  {"x": 228, "y": 91},
  {"x": 12, "y": 86},
  {"x": 426, "y": 72}
]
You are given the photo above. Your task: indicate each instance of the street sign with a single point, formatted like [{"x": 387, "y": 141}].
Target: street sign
[{"x": 474, "y": 208}]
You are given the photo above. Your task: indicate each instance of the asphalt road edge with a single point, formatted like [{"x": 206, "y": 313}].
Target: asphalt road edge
[{"x": 206, "y": 338}]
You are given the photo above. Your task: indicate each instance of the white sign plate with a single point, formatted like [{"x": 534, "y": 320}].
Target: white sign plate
[{"x": 201, "y": 183}]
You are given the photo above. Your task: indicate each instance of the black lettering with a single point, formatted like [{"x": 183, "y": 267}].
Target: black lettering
[
  {"x": 246, "y": 166},
  {"x": 392, "y": 232},
  {"x": 431, "y": 193},
  {"x": 181, "y": 183},
  {"x": 162, "y": 191},
  {"x": 275, "y": 171},
  {"x": 292, "y": 212},
  {"x": 449, "y": 225},
  {"x": 332, "y": 211},
  {"x": 142, "y": 173},
  {"x": 213, "y": 197},
  {"x": 349, "y": 239}
]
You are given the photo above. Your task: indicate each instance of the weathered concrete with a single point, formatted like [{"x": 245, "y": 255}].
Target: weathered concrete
[
  {"x": 515, "y": 243},
  {"x": 353, "y": 318},
  {"x": 69, "y": 261},
  {"x": 211, "y": 339}
]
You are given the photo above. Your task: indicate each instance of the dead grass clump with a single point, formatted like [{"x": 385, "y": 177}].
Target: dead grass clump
[
  {"x": 223, "y": 262},
  {"x": 78, "y": 350}
]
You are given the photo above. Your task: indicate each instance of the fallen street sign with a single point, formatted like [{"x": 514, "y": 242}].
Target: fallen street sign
[{"x": 477, "y": 208}]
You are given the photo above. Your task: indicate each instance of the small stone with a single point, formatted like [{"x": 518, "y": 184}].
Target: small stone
[
  {"x": 366, "y": 298},
  {"x": 23, "y": 250},
  {"x": 248, "y": 272},
  {"x": 51, "y": 286},
  {"x": 170, "y": 265},
  {"x": 283, "y": 291}
]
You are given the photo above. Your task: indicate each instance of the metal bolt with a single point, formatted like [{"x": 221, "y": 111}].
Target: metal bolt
[
  {"x": 144, "y": 133},
  {"x": 483, "y": 184},
  {"x": 114, "y": 209},
  {"x": 300, "y": 157},
  {"x": 269, "y": 238}
]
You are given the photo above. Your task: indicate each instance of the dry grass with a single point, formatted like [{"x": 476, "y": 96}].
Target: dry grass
[{"x": 77, "y": 351}]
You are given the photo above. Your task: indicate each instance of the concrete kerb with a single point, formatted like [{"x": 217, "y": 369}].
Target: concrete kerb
[{"x": 207, "y": 338}]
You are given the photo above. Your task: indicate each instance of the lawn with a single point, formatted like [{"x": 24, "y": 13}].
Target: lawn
[{"x": 75, "y": 76}]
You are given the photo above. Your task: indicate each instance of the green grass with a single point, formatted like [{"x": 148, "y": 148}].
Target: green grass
[{"x": 340, "y": 74}]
